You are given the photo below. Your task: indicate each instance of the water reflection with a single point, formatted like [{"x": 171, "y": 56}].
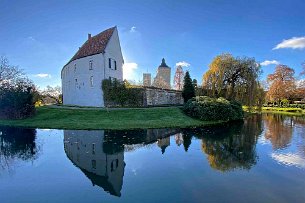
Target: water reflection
[
  {"x": 100, "y": 157},
  {"x": 232, "y": 146},
  {"x": 280, "y": 130},
  {"x": 100, "y": 154},
  {"x": 17, "y": 144}
]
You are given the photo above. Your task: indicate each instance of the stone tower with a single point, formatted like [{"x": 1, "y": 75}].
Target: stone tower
[
  {"x": 146, "y": 79},
  {"x": 163, "y": 78}
]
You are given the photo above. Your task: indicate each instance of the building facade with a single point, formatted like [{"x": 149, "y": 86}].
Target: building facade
[
  {"x": 99, "y": 58},
  {"x": 146, "y": 79},
  {"x": 163, "y": 77}
]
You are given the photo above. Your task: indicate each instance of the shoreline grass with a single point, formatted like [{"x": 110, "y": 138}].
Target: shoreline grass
[
  {"x": 278, "y": 110},
  {"x": 64, "y": 118}
]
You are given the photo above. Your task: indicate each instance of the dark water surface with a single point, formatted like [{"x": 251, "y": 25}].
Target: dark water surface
[{"x": 259, "y": 160}]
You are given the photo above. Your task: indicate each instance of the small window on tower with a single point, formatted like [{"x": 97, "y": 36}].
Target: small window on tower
[
  {"x": 91, "y": 81},
  {"x": 74, "y": 68},
  {"x": 114, "y": 65},
  {"x": 93, "y": 163},
  {"x": 109, "y": 61},
  {"x": 90, "y": 65}
]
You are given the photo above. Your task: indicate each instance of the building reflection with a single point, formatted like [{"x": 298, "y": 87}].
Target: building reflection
[
  {"x": 17, "y": 144},
  {"x": 86, "y": 149},
  {"x": 100, "y": 154}
]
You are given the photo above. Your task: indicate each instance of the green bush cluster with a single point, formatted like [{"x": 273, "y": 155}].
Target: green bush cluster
[
  {"x": 121, "y": 94},
  {"x": 17, "y": 101},
  {"x": 212, "y": 109}
]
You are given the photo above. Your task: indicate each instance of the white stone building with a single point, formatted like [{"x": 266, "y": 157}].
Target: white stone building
[{"x": 99, "y": 58}]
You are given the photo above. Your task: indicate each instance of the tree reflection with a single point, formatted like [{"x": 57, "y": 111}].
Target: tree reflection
[
  {"x": 17, "y": 143},
  {"x": 279, "y": 129},
  {"x": 232, "y": 146}
]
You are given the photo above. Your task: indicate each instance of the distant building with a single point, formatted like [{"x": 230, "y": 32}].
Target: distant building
[
  {"x": 163, "y": 78},
  {"x": 99, "y": 58},
  {"x": 179, "y": 78},
  {"x": 146, "y": 79}
]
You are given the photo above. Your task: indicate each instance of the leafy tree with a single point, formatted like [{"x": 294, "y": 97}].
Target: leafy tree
[
  {"x": 233, "y": 78},
  {"x": 188, "y": 91},
  {"x": 282, "y": 84},
  {"x": 17, "y": 99}
]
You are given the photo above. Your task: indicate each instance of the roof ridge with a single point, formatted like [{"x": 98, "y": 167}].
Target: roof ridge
[{"x": 94, "y": 45}]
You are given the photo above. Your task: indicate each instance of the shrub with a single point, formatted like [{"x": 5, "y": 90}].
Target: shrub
[
  {"x": 208, "y": 109},
  {"x": 18, "y": 100},
  {"x": 120, "y": 93}
]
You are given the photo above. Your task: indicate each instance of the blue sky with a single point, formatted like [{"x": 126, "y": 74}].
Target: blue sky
[{"x": 41, "y": 36}]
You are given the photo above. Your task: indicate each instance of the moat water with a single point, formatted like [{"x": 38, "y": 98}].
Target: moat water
[{"x": 259, "y": 160}]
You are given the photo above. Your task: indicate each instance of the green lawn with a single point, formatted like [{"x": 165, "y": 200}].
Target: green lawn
[
  {"x": 279, "y": 110},
  {"x": 63, "y": 118}
]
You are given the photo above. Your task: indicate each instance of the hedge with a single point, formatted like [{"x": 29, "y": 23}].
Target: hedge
[{"x": 212, "y": 109}]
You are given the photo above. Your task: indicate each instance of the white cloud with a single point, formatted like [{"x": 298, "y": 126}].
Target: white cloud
[
  {"x": 42, "y": 75},
  {"x": 183, "y": 64},
  {"x": 133, "y": 29},
  {"x": 129, "y": 70},
  {"x": 293, "y": 43},
  {"x": 30, "y": 38},
  {"x": 289, "y": 159},
  {"x": 267, "y": 62}
]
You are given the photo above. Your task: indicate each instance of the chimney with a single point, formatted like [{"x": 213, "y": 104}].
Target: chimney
[{"x": 89, "y": 36}]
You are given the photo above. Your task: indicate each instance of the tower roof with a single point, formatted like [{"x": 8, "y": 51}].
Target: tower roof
[
  {"x": 94, "y": 45},
  {"x": 163, "y": 64}
]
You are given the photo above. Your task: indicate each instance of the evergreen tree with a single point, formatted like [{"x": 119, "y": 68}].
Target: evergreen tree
[
  {"x": 195, "y": 83},
  {"x": 188, "y": 91}
]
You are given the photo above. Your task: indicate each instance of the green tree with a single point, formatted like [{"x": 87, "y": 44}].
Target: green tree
[
  {"x": 234, "y": 78},
  {"x": 188, "y": 91}
]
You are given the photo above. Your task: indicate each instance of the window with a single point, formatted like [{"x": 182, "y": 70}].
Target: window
[
  {"x": 112, "y": 64},
  {"x": 91, "y": 81},
  {"x": 90, "y": 65},
  {"x": 93, "y": 163},
  {"x": 114, "y": 165},
  {"x": 74, "y": 68},
  {"x": 76, "y": 83},
  {"x": 93, "y": 148}
]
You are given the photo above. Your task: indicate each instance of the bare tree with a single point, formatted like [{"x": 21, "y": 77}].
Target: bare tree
[
  {"x": 53, "y": 93},
  {"x": 303, "y": 72},
  {"x": 9, "y": 73}
]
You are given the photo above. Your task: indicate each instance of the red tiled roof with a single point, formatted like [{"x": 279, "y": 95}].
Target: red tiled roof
[{"x": 94, "y": 45}]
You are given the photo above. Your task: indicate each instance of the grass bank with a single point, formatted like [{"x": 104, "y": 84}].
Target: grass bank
[
  {"x": 278, "y": 110},
  {"x": 89, "y": 119}
]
